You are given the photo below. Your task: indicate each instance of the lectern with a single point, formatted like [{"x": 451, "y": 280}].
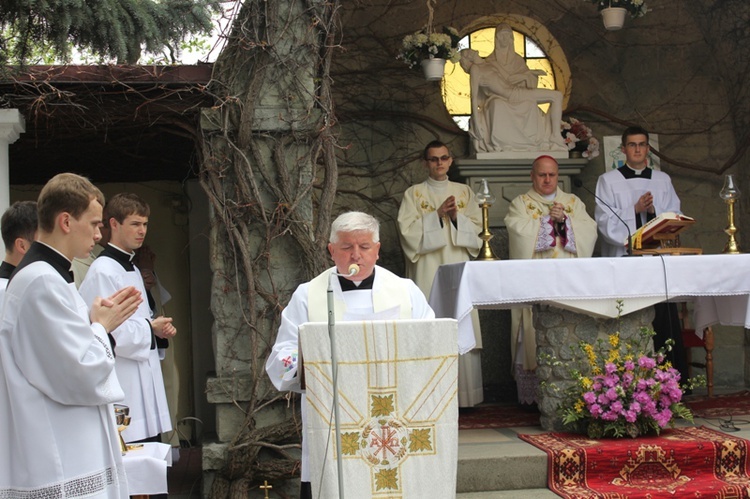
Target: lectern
[{"x": 398, "y": 407}]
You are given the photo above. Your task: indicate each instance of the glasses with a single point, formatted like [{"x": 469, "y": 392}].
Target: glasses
[
  {"x": 633, "y": 145},
  {"x": 436, "y": 159}
]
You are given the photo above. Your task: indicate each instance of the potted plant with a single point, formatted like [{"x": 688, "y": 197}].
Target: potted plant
[
  {"x": 613, "y": 11},
  {"x": 429, "y": 50}
]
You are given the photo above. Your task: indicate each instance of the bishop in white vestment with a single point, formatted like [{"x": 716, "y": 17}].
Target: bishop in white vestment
[
  {"x": 439, "y": 223},
  {"x": 373, "y": 293},
  {"x": 545, "y": 222}
]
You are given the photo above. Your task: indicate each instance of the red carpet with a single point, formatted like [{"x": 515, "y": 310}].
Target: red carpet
[
  {"x": 684, "y": 462},
  {"x": 495, "y": 416},
  {"x": 731, "y": 404}
]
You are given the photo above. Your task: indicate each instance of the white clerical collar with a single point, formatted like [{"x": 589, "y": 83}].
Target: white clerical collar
[
  {"x": 131, "y": 254},
  {"x": 438, "y": 184},
  {"x": 635, "y": 172}
]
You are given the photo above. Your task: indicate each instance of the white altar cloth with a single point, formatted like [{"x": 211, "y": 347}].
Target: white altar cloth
[
  {"x": 146, "y": 468},
  {"x": 719, "y": 285}
]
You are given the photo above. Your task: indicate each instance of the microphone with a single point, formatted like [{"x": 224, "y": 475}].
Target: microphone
[
  {"x": 579, "y": 183},
  {"x": 353, "y": 270}
]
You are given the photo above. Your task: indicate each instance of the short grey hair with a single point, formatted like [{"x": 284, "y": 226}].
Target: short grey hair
[{"x": 355, "y": 221}]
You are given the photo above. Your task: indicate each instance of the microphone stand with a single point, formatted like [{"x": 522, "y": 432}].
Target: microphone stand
[
  {"x": 629, "y": 250},
  {"x": 334, "y": 380}
]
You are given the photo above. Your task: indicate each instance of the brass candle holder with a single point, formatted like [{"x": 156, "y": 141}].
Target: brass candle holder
[
  {"x": 485, "y": 198},
  {"x": 730, "y": 194}
]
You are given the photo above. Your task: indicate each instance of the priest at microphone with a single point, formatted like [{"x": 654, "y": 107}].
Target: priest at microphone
[{"x": 361, "y": 291}]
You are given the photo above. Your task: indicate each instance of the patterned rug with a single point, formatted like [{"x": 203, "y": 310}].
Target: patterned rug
[
  {"x": 495, "y": 416},
  {"x": 684, "y": 462},
  {"x": 719, "y": 406}
]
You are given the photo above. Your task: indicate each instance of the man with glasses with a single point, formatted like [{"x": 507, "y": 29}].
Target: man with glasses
[
  {"x": 439, "y": 222},
  {"x": 638, "y": 194}
]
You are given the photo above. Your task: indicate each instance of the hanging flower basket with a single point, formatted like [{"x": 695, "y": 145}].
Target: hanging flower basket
[
  {"x": 613, "y": 18},
  {"x": 419, "y": 48},
  {"x": 433, "y": 69},
  {"x": 618, "y": 9}
]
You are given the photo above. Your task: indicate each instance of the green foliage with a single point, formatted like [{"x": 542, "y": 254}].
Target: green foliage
[{"x": 36, "y": 31}]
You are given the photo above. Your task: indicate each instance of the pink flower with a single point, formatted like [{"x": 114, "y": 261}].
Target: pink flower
[
  {"x": 629, "y": 365},
  {"x": 646, "y": 362}
]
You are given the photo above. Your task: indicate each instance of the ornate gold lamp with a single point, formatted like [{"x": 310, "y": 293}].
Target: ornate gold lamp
[
  {"x": 485, "y": 198},
  {"x": 730, "y": 194}
]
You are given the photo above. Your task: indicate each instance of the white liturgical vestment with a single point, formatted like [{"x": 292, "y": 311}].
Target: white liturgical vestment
[
  {"x": 429, "y": 242},
  {"x": 391, "y": 297},
  {"x": 138, "y": 364},
  {"x": 57, "y": 386},
  {"x": 398, "y": 410},
  {"x": 621, "y": 194},
  {"x": 532, "y": 234}
]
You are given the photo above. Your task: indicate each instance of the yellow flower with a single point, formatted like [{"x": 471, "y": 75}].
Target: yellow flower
[
  {"x": 614, "y": 356},
  {"x": 579, "y": 405},
  {"x": 614, "y": 340},
  {"x": 588, "y": 349},
  {"x": 586, "y": 382}
]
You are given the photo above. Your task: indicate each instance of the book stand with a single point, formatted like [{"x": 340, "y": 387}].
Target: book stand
[{"x": 664, "y": 240}]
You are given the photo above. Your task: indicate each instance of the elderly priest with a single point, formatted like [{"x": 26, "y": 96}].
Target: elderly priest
[{"x": 362, "y": 291}]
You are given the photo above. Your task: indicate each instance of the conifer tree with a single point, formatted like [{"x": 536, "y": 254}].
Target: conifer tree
[{"x": 114, "y": 29}]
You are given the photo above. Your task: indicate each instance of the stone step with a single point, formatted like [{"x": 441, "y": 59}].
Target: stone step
[
  {"x": 497, "y": 460},
  {"x": 509, "y": 494}
]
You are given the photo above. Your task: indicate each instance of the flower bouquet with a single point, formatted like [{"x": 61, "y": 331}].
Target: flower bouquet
[
  {"x": 636, "y": 8},
  {"x": 623, "y": 388},
  {"x": 423, "y": 45},
  {"x": 579, "y": 137}
]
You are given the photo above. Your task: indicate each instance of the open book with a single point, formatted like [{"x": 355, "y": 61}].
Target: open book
[{"x": 665, "y": 226}]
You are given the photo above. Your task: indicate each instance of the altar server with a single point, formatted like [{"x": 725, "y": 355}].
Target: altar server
[
  {"x": 18, "y": 227},
  {"x": 638, "y": 194},
  {"x": 439, "y": 222},
  {"x": 369, "y": 294},
  {"x": 545, "y": 222},
  {"x": 57, "y": 377},
  {"x": 138, "y": 363}
]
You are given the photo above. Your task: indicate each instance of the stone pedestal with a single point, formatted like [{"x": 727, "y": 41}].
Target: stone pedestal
[{"x": 558, "y": 332}]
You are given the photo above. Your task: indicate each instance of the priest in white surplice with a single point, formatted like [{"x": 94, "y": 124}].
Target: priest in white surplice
[
  {"x": 57, "y": 367},
  {"x": 373, "y": 293},
  {"x": 545, "y": 222},
  {"x": 138, "y": 362},
  {"x": 439, "y": 222}
]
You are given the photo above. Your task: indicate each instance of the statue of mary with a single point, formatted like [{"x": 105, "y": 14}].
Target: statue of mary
[{"x": 505, "y": 116}]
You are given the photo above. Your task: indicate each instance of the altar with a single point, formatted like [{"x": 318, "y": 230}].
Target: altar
[{"x": 716, "y": 284}]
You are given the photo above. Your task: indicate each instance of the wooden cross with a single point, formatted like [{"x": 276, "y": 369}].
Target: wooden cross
[{"x": 265, "y": 488}]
